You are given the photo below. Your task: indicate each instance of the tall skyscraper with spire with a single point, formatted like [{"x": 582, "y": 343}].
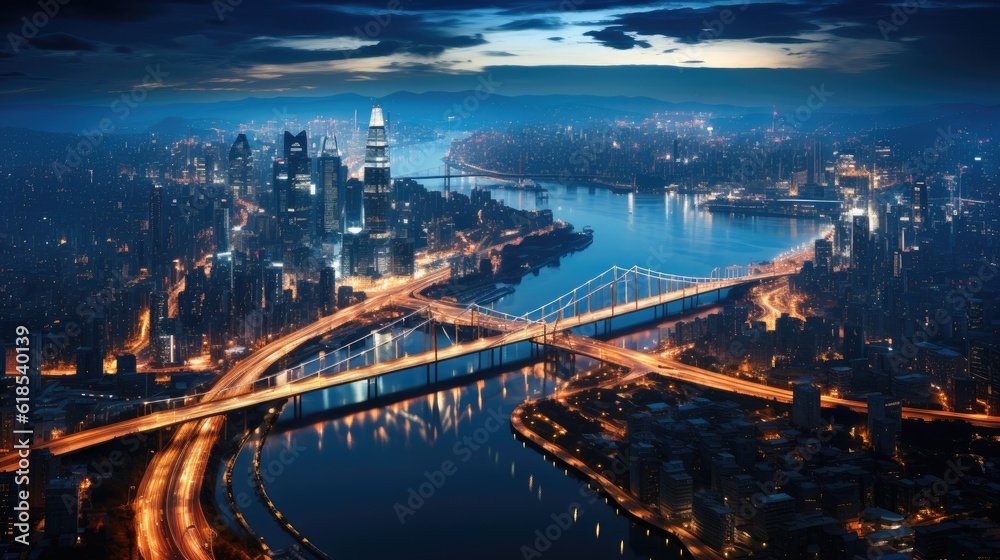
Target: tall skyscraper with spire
[
  {"x": 241, "y": 169},
  {"x": 377, "y": 178}
]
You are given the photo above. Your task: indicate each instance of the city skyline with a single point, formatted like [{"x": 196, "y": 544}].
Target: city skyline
[{"x": 506, "y": 280}]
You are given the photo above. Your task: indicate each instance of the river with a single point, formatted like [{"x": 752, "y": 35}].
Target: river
[{"x": 347, "y": 481}]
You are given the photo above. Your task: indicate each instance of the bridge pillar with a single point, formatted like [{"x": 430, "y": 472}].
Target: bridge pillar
[
  {"x": 447, "y": 181},
  {"x": 558, "y": 361}
]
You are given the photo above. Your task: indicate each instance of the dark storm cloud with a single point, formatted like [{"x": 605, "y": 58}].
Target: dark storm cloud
[
  {"x": 532, "y": 23},
  {"x": 62, "y": 42},
  {"x": 615, "y": 38},
  {"x": 743, "y": 21}
]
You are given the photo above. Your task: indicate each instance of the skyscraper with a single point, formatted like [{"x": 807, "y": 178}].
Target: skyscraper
[
  {"x": 241, "y": 169},
  {"x": 806, "y": 406},
  {"x": 377, "y": 178},
  {"x": 885, "y": 418},
  {"x": 918, "y": 203},
  {"x": 293, "y": 190},
  {"x": 330, "y": 176},
  {"x": 156, "y": 238},
  {"x": 353, "y": 206}
]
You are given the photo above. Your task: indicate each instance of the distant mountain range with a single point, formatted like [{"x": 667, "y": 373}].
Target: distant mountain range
[{"x": 470, "y": 110}]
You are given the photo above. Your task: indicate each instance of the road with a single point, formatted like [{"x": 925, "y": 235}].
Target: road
[
  {"x": 640, "y": 361},
  {"x": 170, "y": 520}
]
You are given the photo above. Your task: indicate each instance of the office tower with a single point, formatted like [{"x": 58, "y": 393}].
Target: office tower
[
  {"x": 676, "y": 489},
  {"x": 377, "y": 178},
  {"x": 327, "y": 290},
  {"x": 8, "y": 490},
  {"x": 280, "y": 191},
  {"x": 806, "y": 411},
  {"x": 221, "y": 228},
  {"x": 644, "y": 473},
  {"x": 241, "y": 169},
  {"x": 353, "y": 206},
  {"x": 885, "y": 418},
  {"x": 714, "y": 523},
  {"x": 772, "y": 511},
  {"x": 402, "y": 257},
  {"x": 861, "y": 254},
  {"x": 158, "y": 318},
  {"x": 125, "y": 363},
  {"x": 88, "y": 362},
  {"x": 274, "y": 285},
  {"x": 815, "y": 175},
  {"x": 918, "y": 205},
  {"x": 293, "y": 190},
  {"x": 984, "y": 368},
  {"x": 357, "y": 254},
  {"x": 330, "y": 176},
  {"x": 824, "y": 256},
  {"x": 62, "y": 511},
  {"x": 156, "y": 239}
]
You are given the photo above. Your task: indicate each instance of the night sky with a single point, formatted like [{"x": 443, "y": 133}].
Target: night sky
[{"x": 868, "y": 53}]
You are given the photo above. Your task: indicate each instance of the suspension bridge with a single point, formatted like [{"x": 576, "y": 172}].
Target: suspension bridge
[
  {"x": 421, "y": 339},
  {"x": 449, "y": 171}
]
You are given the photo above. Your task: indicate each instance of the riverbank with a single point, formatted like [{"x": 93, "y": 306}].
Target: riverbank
[{"x": 629, "y": 504}]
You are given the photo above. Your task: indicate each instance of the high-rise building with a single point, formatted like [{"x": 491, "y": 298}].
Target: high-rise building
[
  {"x": 293, "y": 190},
  {"x": 62, "y": 511},
  {"x": 714, "y": 523},
  {"x": 402, "y": 257},
  {"x": 772, "y": 511},
  {"x": 918, "y": 204},
  {"x": 357, "y": 254},
  {"x": 156, "y": 239},
  {"x": 806, "y": 411},
  {"x": 353, "y": 206},
  {"x": 327, "y": 290},
  {"x": 861, "y": 253},
  {"x": 158, "y": 319},
  {"x": 377, "y": 178},
  {"x": 330, "y": 177},
  {"x": 675, "y": 490},
  {"x": 885, "y": 418},
  {"x": 241, "y": 169},
  {"x": 824, "y": 256},
  {"x": 222, "y": 229},
  {"x": 984, "y": 368}
]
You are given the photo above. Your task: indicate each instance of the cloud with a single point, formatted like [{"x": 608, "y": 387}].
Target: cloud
[
  {"x": 498, "y": 53},
  {"x": 615, "y": 38},
  {"x": 556, "y": 38},
  {"x": 62, "y": 42},
  {"x": 743, "y": 21},
  {"x": 532, "y": 23},
  {"x": 782, "y": 40}
]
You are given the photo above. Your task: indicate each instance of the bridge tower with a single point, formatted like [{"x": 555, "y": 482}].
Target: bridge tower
[{"x": 447, "y": 181}]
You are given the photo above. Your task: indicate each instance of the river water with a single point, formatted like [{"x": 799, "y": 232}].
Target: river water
[{"x": 440, "y": 475}]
